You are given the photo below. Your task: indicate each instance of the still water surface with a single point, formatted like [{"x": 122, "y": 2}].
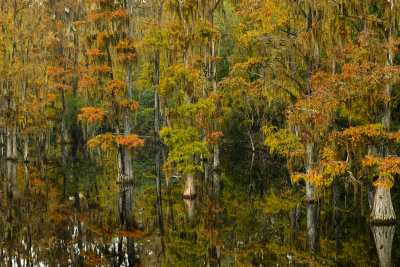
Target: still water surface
[{"x": 68, "y": 216}]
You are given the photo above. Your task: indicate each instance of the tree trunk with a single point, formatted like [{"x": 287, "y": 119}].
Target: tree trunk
[
  {"x": 310, "y": 195},
  {"x": 64, "y": 127},
  {"x": 370, "y": 194},
  {"x": 125, "y": 172},
  {"x": 383, "y": 236},
  {"x": 216, "y": 175},
  {"x": 216, "y": 161},
  {"x": 157, "y": 141},
  {"x": 382, "y": 210},
  {"x": 126, "y": 156}
]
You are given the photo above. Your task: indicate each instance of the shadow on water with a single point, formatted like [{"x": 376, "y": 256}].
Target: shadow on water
[{"x": 73, "y": 214}]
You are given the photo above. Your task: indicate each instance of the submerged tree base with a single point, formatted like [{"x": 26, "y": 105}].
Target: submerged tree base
[
  {"x": 382, "y": 210},
  {"x": 381, "y": 222},
  {"x": 192, "y": 196},
  {"x": 123, "y": 182},
  {"x": 309, "y": 201}
]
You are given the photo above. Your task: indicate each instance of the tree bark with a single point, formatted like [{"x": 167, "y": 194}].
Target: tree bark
[
  {"x": 125, "y": 172},
  {"x": 310, "y": 195},
  {"x": 216, "y": 151},
  {"x": 382, "y": 210}
]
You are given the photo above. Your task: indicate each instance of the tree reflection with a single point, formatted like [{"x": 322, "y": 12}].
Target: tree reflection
[
  {"x": 383, "y": 236},
  {"x": 227, "y": 225}
]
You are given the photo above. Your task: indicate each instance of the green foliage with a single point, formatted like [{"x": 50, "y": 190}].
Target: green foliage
[
  {"x": 186, "y": 151},
  {"x": 282, "y": 141}
]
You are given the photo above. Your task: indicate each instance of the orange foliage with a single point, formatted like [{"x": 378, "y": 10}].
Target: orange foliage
[
  {"x": 115, "y": 87},
  {"x": 99, "y": 69},
  {"x": 130, "y": 141},
  {"x": 107, "y": 139},
  {"x": 385, "y": 167},
  {"x": 132, "y": 105},
  {"x": 132, "y": 233},
  {"x": 91, "y": 114},
  {"x": 213, "y": 137}
]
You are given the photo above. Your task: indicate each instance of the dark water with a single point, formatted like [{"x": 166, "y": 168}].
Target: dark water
[{"x": 252, "y": 218}]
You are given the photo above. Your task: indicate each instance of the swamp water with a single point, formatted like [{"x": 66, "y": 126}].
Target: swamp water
[{"x": 68, "y": 216}]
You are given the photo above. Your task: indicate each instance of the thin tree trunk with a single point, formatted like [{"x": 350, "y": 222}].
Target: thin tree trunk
[
  {"x": 157, "y": 141},
  {"x": 125, "y": 172},
  {"x": 310, "y": 195}
]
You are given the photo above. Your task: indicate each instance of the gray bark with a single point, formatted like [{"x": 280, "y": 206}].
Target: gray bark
[
  {"x": 382, "y": 210},
  {"x": 216, "y": 161},
  {"x": 125, "y": 172},
  {"x": 310, "y": 161}
]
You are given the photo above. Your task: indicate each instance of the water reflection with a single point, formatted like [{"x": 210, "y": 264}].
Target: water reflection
[
  {"x": 383, "y": 236},
  {"x": 250, "y": 216}
]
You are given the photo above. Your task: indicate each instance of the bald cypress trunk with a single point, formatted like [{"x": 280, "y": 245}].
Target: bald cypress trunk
[
  {"x": 382, "y": 210},
  {"x": 216, "y": 160}
]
